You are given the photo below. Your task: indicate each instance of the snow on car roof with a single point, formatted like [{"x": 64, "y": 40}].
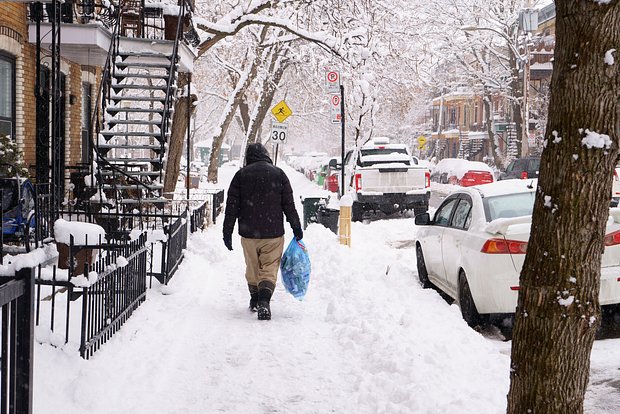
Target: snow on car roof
[
  {"x": 458, "y": 167},
  {"x": 507, "y": 187}
]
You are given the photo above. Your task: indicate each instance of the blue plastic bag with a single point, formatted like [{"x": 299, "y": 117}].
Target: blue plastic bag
[{"x": 295, "y": 268}]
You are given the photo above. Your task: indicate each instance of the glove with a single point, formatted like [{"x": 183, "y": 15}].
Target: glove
[
  {"x": 228, "y": 241},
  {"x": 299, "y": 234}
]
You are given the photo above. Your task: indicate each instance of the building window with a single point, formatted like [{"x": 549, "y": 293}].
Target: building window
[
  {"x": 7, "y": 96},
  {"x": 86, "y": 121}
]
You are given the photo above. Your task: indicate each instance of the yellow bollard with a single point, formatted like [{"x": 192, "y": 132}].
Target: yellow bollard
[{"x": 344, "y": 231}]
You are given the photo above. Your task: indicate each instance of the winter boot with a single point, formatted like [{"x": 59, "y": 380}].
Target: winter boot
[
  {"x": 253, "y": 297},
  {"x": 265, "y": 290}
]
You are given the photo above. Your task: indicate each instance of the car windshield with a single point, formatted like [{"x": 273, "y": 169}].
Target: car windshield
[
  {"x": 373, "y": 156},
  {"x": 509, "y": 205},
  {"x": 382, "y": 151}
]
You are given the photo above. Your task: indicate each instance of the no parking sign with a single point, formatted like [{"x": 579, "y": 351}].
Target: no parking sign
[{"x": 332, "y": 81}]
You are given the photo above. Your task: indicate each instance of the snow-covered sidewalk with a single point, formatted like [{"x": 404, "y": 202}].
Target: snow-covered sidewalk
[{"x": 366, "y": 339}]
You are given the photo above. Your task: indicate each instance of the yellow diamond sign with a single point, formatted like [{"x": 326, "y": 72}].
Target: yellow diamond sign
[
  {"x": 281, "y": 111},
  {"x": 421, "y": 141}
]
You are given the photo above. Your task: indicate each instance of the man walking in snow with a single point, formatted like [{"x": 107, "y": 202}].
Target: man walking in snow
[{"x": 259, "y": 195}]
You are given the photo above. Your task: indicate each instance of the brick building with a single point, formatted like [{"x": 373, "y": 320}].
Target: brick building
[{"x": 78, "y": 80}]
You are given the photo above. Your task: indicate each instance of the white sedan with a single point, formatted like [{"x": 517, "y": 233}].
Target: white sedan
[{"x": 474, "y": 248}]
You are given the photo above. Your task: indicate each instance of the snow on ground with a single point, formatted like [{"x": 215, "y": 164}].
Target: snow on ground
[{"x": 366, "y": 339}]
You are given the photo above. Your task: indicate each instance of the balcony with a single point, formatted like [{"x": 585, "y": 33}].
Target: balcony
[
  {"x": 86, "y": 32},
  {"x": 86, "y": 44}
]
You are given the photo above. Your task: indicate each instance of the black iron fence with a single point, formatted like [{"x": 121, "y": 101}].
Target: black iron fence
[
  {"x": 17, "y": 343},
  {"x": 217, "y": 201},
  {"x": 198, "y": 217},
  {"x": 44, "y": 217},
  {"x": 172, "y": 249},
  {"x": 114, "y": 287}
]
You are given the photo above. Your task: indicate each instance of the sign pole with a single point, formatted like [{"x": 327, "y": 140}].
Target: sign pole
[
  {"x": 275, "y": 162},
  {"x": 342, "y": 141}
]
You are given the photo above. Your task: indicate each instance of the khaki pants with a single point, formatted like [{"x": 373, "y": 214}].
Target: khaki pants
[{"x": 262, "y": 259}]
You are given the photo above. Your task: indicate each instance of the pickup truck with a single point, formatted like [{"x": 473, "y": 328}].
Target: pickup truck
[{"x": 385, "y": 177}]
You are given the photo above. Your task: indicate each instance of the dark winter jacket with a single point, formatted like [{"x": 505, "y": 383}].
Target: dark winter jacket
[{"x": 258, "y": 196}]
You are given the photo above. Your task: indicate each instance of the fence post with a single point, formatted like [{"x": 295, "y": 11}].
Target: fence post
[{"x": 25, "y": 343}]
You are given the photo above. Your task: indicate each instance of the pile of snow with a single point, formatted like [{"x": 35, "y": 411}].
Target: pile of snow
[
  {"x": 83, "y": 233},
  {"x": 34, "y": 258}
]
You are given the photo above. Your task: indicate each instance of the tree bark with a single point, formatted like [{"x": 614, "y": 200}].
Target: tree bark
[
  {"x": 558, "y": 309},
  {"x": 178, "y": 137}
]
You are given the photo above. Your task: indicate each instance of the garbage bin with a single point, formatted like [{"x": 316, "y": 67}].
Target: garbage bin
[
  {"x": 328, "y": 217},
  {"x": 311, "y": 205}
]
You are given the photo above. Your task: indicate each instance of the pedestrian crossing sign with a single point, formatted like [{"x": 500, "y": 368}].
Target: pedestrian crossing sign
[{"x": 281, "y": 111}]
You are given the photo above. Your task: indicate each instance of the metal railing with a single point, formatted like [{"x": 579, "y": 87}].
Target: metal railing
[
  {"x": 172, "y": 250},
  {"x": 197, "y": 218},
  {"x": 217, "y": 203},
  {"x": 110, "y": 297},
  {"x": 17, "y": 343},
  {"x": 44, "y": 215}
]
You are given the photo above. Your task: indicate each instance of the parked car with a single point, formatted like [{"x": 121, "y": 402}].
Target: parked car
[
  {"x": 332, "y": 174},
  {"x": 524, "y": 168},
  {"x": 385, "y": 177},
  {"x": 461, "y": 172},
  {"x": 474, "y": 247}
]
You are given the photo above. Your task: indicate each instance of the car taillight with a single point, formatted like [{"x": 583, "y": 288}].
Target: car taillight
[
  {"x": 524, "y": 175},
  {"x": 358, "y": 182},
  {"x": 501, "y": 246},
  {"x": 612, "y": 239},
  {"x": 427, "y": 176}
]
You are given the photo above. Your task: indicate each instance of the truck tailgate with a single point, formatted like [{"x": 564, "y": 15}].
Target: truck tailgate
[{"x": 392, "y": 178}]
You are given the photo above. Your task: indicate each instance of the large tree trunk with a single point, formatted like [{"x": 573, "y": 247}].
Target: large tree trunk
[
  {"x": 558, "y": 309},
  {"x": 177, "y": 138}
]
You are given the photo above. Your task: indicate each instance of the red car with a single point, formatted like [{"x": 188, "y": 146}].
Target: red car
[
  {"x": 462, "y": 172},
  {"x": 473, "y": 177}
]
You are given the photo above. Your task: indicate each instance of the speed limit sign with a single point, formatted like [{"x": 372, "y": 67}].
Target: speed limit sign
[{"x": 279, "y": 133}]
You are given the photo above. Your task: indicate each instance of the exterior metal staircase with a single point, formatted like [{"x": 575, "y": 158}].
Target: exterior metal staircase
[
  {"x": 137, "y": 124},
  {"x": 137, "y": 104}
]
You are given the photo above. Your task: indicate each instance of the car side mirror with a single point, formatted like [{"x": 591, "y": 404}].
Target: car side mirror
[{"x": 423, "y": 219}]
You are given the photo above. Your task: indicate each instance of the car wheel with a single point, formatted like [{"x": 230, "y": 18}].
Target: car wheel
[
  {"x": 466, "y": 303},
  {"x": 356, "y": 211},
  {"x": 420, "y": 210},
  {"x": 422, "y": 273},
  {"x": 387, "y": 209}
]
